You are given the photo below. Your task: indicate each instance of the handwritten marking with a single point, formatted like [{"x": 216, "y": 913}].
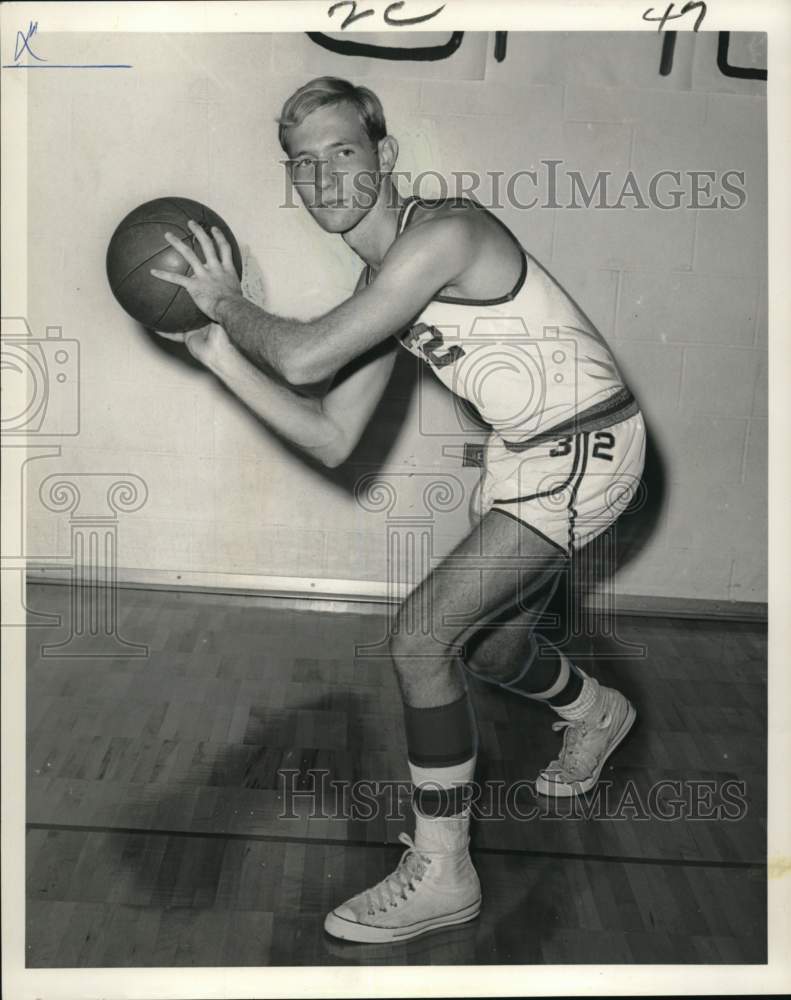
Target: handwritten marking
[
  {"x": 50, "y": 65},
  {"x": 389, "y": 18},
  {"x": 398, "y": 21},
  {"x": 669, "y": 16},
  {"x": 22, "y": 45},
  {"x": 25, "y": 40},
  {"x": 352, "y": 16}
]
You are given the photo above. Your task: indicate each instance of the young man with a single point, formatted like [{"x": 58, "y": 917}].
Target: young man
[{"x": 452, "y": 284}]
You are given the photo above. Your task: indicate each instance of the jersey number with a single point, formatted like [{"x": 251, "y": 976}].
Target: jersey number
[
  {"x": 603, "y": 444},
  {"x": 432, "y": 347},
  {"x": 563, "y": 448}
]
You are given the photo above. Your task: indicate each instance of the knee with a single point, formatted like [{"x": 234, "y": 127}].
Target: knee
[
  {"x": 489, "y": 670},
  {"x": 417, "y": 651},
  {"x": 486, "y": 665}
]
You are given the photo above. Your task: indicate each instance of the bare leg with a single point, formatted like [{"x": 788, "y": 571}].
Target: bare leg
[
  {"x": 499, "y": 561},
  {"x": 499, "y": 651},
  {"x": 435, "y": 884}
]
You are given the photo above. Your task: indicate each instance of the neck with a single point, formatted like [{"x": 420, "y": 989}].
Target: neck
[{"x": 375, "y": 233}]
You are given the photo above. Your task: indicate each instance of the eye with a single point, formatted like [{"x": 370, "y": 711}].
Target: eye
[{"x": 345, "y": 152}]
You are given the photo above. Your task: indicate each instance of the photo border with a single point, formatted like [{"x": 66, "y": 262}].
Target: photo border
[{"x": 354, "y": 981}]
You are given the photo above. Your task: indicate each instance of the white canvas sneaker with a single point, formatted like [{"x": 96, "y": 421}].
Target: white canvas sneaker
[
  {"x": 432, "y": 887},
  {"x": 587, "y": 743}
]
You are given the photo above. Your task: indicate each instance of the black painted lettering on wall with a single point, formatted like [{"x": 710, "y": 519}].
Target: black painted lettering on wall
[
  {"x": 423, "y": 53},
  {"x": 723, "y": 65},
  {"x": 740, "y": 72},
  {"x": 393, "y": 17}
]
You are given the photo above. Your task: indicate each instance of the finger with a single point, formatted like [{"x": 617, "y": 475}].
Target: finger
[
  {"x": 171, "y": 276},
  {"x": 186, "y": 251},
  {"x": 226, "y": 256},
  {"x": 209, "y": 251},
  {"x": 197, "y": 342}
]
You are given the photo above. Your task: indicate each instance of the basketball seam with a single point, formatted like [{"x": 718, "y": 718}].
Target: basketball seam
[
  {"x": 162, "y": 316},
  {"x": 138, "y": 265},
  {"x": 178, "y": 289},
  {"x": 201, "y": 214},
  {"x": 178, "y": 207},
  {"x": 145, "y": 222},
  {"x": 184, "y": 213}
]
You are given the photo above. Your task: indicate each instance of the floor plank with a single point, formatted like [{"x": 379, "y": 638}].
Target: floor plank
[
  {"x": 163, "y": 828},
  {"x": 171, "y": 900}
]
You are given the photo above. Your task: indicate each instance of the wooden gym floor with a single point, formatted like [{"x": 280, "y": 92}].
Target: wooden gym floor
[{"x": 155, "y": 793}]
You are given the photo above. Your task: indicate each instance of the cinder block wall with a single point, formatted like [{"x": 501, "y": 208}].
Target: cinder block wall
[{"x": 680, "y": 294}]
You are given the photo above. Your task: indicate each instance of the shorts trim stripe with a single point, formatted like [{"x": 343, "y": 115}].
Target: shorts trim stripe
[
  {"x": 613, "y": 410},
  {"x": 575, "y": 488},
  {"x": 555, "y": 489},
  {"x": 532, "y": 528}
]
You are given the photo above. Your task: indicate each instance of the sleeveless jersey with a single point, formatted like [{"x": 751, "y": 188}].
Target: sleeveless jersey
[{"x": 530, "y": 362}]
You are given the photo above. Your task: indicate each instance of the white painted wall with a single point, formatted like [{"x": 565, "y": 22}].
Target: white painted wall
[{"x": 680, "y": 294}]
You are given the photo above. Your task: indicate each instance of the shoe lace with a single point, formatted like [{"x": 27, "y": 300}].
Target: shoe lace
[
  {"x": 575, "y": 749},
  {"x": 572, "y": 750},
  {"x": 395, "y": 886}
]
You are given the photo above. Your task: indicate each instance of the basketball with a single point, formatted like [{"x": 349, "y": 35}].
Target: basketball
[{"x": 139, "y": 244}]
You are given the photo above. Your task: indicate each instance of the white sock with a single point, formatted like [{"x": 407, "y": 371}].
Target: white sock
[
  {"x": 585, "y": 702},
  {"x": 442, "y": 832}
]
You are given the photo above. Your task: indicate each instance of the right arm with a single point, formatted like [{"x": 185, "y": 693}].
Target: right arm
[
  {"x": 325, "y": 420},
  {"x": 419, "y": 263},
  {"x": 329, "y": 427}
]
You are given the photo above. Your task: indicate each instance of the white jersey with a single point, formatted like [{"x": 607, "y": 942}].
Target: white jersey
[{"x": 530, "y": 362}]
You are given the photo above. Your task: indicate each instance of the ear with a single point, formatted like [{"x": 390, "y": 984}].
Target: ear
[{"x": 388, "y": 154}]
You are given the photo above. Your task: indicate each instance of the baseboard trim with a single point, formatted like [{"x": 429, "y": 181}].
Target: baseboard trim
[
  {"x": 645, "y": 605},
  {"x": 372, "y": 596},
  {"x": 300, "y": 592}
]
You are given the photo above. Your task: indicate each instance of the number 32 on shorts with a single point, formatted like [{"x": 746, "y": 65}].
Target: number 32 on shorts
[{"x": 603, "y": 443}]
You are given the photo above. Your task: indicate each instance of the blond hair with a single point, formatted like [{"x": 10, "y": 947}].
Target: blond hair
[{"x": 326, "y": 91}]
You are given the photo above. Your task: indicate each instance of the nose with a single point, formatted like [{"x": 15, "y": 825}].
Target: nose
[
  {"x": 328, "y": 184},
  {"x": 325, "y": 175}
]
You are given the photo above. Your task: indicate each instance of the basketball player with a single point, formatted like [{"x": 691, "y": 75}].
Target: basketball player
[{"x": 451, "y": 284}]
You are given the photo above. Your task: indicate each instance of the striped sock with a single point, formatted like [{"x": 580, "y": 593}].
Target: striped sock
[
  {"x": 442, "y": 791},
  {"x": 442, "y": 750},
  {"x": 553, "y": 679}
]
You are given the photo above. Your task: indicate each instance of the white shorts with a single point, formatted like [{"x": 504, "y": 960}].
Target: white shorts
[{"x": 567, "y": 489}]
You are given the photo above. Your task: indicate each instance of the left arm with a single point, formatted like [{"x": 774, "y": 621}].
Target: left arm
[{"x": 417, "y": 266}]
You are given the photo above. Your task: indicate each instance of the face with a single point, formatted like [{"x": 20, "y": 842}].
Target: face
[{"x": 334, "y": 166}]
